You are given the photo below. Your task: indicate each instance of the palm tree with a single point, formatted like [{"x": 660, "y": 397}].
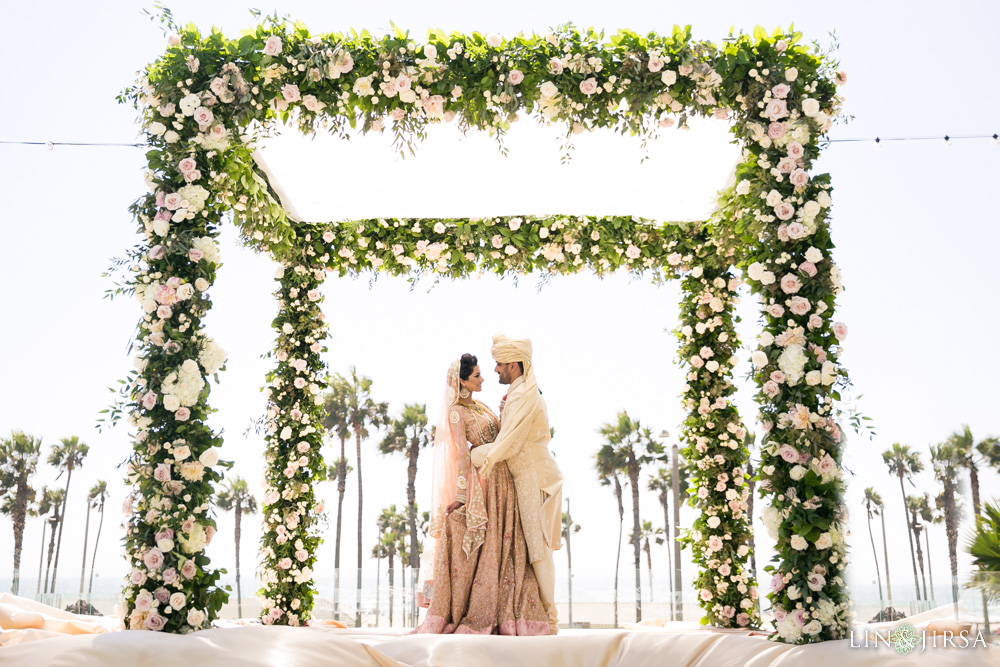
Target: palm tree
[
  {"x": 97, "y": 497},
  {"x": 649, "y": 533},
  {"x": 568, "y": 528},
  {"x": 18, "y": 461},
  {"x": 56, "y": 499},
  {"x": 408, "y": 433},
  {"x": 335, "y": 421},
  {"x": 237, "y": 497},
  {"x": 66, "y": 457},
  {"x": 942, "y": 461},
  {"x": 43, "y": 507},
  {"x": 904, "y": 463},
  {"x": 873, "y": 505},
  {"x": 636, "y": 448},
  {"x": 608, "y": 465},
  {"x": 362, "y": 411},
  {"x": 984, "y": 545},
  {"x": 663, "y": 484},
  {"x": 915, "y": 505},
  {"x": 929, "y": 514},
  {"x": 392, "y": 526},
  {"x": 972, "y": 455}
]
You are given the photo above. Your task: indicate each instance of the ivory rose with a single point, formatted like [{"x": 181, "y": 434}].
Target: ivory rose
[
  {"x": 589, "y": 86},
  {"x": 790, "y": 283},
  {"x": 776, "y": 110},
  {"x": 272, "y": 46}
]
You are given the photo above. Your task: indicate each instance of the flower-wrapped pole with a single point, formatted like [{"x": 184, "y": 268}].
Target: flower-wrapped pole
[
  {"x": 176, "y": 458},
  {"x": 294, "y": 441},
  {"x": 716, "y": 450}
]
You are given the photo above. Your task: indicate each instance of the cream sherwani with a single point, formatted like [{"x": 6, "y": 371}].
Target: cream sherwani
[{"x": 523, "y": 444}]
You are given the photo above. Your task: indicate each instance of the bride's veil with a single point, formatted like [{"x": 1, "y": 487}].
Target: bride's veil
[{"x": 445, "y": 475}]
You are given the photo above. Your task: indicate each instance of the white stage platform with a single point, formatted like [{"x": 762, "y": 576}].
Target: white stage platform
[{"x": 35, "y": 635}]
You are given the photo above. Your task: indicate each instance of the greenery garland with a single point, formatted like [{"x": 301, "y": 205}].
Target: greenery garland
[
  {"x": 207, "y": 100},
  {"x": 294, "y": 429},
  {"x": 716, "y": 449}
]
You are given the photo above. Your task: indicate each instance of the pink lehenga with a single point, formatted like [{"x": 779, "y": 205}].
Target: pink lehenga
[{"x": 482, "y": 582}]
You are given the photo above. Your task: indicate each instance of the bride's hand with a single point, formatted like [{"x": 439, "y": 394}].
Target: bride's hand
[{"x": 454, "y": 506}]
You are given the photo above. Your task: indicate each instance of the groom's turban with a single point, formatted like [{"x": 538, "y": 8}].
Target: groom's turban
[{"x": 508, "y": 350}]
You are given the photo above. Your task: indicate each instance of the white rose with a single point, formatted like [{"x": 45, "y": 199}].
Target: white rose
[
  {"x": 813, "y": 378},
  {"x": 549, "y": 90},
  {"x": 767, "y": 278},
  {"x": 201, "y": 284},
  {"x": 209, "y": 457},
  {"x": 743, "y": 188},
  {"x": 712, "y": 366},
  {"x": 669, "y": 77},
  {"x": 161, "y": 227},
  {"x": 430, "y": 52},
  {"x": 810, "y": 107},
  {"x": 157, "y": 128},
  {"x": 791, "y": 74},
  {"x": 798, "y": 543},
  {"x": 494, "y": 40},
  {"x": 813, "y": 255},
  {"x": 823, "y": 199},
  {"x": 713, "y": 522},
  {"x": 177, "y": 600},
  {"x": 797, "y": 473},
  {"x": 825, "y": 541},
  {"x": 758, "y": 359},
  {"x": 195, "y": 618},
  {"x": 813, "y": 627},
  {"x": 811, "y": 209},
  {"x": 766, "y": 339},
  {"x": 773, "y": 198},
  {"x": 755, "y": 271},
  {"x": 171, "y": 402},
  {"x": 171, "y": 137}
]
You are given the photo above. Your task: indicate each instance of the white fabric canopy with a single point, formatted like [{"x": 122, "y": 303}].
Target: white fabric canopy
[{"x": 325, "y": 178}]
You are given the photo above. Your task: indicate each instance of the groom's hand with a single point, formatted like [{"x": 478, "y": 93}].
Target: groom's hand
[{"x": 478, "y": 456}]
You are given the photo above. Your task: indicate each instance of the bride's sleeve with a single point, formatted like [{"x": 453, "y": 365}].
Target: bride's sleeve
[{"x": 456, "y": 421}]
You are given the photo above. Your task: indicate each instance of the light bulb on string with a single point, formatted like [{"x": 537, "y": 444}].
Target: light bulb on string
[
  {"x": 878, "y": 144},
  {"x": 995, "y": 140},
  {"x": 947, "y": 141}
]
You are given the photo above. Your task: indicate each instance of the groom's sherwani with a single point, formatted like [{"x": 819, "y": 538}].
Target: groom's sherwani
[{"x": 523, "y": 443}]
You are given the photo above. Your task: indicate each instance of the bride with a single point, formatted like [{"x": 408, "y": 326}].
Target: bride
[{"x": 482, "y": 582}]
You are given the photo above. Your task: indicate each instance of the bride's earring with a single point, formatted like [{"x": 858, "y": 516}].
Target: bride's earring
[{"x": 464, "y": 393}]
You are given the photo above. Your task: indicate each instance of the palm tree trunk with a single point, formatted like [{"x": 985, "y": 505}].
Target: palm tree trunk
[
  {"x": 930, "y": 572},
  {"x": 341, "y": 488},
  {"x": 52, "y": 549},
  {"x": 670, "y": 560},
  {"x": 378, "y": 586},
  {"x": 569, "y": 561},
  {"x": 875, "y": 554},
  {"x": 239, "y": 592},
  {"x": 411, "y": 499},
  {"x": 86, "y": 534},
  {"x": 974, "y": 483},
  {"x": 618, "y": 557},
  {"x": 391, "y": 582},
  {"x": 62, "y": 520},
  {"x": 41, "y": 560},
  {"x": 909, "y": 534},
  {"x": 885, "y": 552},
  {"x": 920, "y": 552},
  {"x": 97, "y": 539},
  {"x": 357, "y": 435},
  {"x": 951, "y": 531},
  {"x": 649, "y": 568},
  {"x": 18, "y": 518},
  {"x": 633, "y": 477}
]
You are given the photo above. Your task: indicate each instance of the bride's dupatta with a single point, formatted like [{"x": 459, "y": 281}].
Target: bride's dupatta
[{"x": 449, "y": 438}]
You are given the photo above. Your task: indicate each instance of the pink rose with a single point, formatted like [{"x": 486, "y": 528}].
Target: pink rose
[
  {"x": 434, "y": 106},
  {"x": 515, "y": 77},
  {"x": 162, "y": 472},
  {"x": 174, "y": 281},
  {"x": 173, "y": 39},
  {"x": 777, "y": 582},
  {"x": 272, "y": 46},
  {"x": 204, "y": 117},
  {"x": 312, "y": 104},
  {"x": 783, "y": 233},
  {"x": 155, "y": 622},
  {"x": 815, "y": 322},
  {"x": 169, "y": 575},
  {"x": 162, "y": 594},
  {"x": 182, "y": 414},
  {"x": 192, "y": 176},
  {"x": 784, "y": 211},
  {"x": 790, "y": 283},
  {"x": 187, "y": 165},
  {"x": 799, "y": 177},
  {"x": 786, "y": 165},
  {"x": 808, "y": 268},
  {"x": 655, "y": 64},
  {"x": 788, "y": 454},
  {"x": 796, "y": 230},
  {"x": 189, "y": 569},
  {"x": 840, "y": 330},
  {"x": 589, "y": 86},
  {"x": 157, "y": 252},
  {"x": 780, "y": 46},
  {"x": 164, "y": 312},
  {"x": 209, "y": 534},
  {"x": 633, "y": 252},
  {"x": 301, "y": 555},
  {"x": 137, "y": 578},
  {"x": 799, "y": 305},
  {"x": 841, "y": 78},
  {"x": 776, "y": 130},
  {"x": 153, "y": 559},
  {"x": 555, "y": 66},
  {"x": 781, "y": 90},
  {"x": 742, "y": 619},
  {"x": 795, "y": 150},
  {"x": 777, "y": 376},
  {"x": 285, "y": 563},
  {"x": 775, "y": 310},
  {"x": 771, "y": 389},
  {"x": 290, "y": 92},
  {"x": 776, "y": 110},
  {"x": 685, "y": 70},
  {"x": 173, "y": 201},
  {"x": 299, "y": 383},
  {"x": 195, "y": 255}
]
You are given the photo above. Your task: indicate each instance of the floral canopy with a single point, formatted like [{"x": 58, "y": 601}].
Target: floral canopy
[{"x": 210, "y": 101}]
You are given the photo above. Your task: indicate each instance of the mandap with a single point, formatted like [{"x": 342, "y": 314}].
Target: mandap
[{"x": 209, "y": 107}]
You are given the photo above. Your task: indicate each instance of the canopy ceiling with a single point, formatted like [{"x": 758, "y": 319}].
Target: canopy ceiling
[{"x": 325, "y": 178}]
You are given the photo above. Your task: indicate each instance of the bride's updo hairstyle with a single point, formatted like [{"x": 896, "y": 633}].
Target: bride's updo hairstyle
[{"x": 468, "y": 362}]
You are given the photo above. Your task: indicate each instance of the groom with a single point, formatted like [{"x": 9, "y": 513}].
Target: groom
[{"x": 523, "y": 444}]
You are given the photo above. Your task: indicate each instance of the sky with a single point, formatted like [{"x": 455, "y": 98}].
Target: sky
[{"x": 914, "y": 222}]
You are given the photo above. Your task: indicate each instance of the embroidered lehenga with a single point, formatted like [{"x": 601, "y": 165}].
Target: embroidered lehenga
[{"x": 482, "y": 582}]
